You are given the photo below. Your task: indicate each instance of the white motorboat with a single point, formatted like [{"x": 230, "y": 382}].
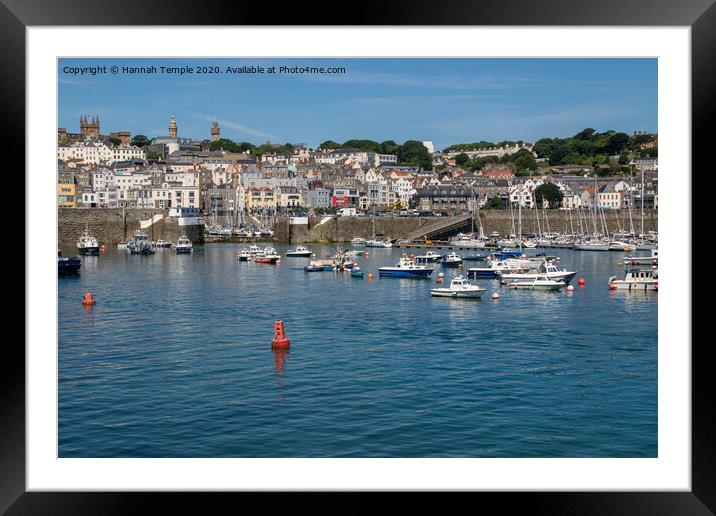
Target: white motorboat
[
  {"x": 459, "y": 287},
  {"x": 494, "y": 268},
  {"x": 358, "y": 241},
  {"x": 268, "y": 255},
  {"x": 378, "y": 243},
  {"x": 183, "y": 245},
  {"x": 548, "y": 270},
  {"x": 636, "y": 279},
  {"x": 254, "y": 249},
  {"x": 430, "y": 256},
  {"x": 123, "y": 245},
  {"x": 643, "y": 260},
  {"x": 162, "y": 243},
  {"x": 243, "y": 255},
  {"x": 87, "y": 244},
  {"x": 538, "y": 283},
  {"x": 140, "y": 244},
  {"x": 299, "y": 252},
  {"x": 452, "y": 260}
]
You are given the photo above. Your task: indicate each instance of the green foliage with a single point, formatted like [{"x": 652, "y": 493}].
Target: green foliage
[
  {"x": 389, "y": 147},
  {"x": 115, "y": 141},
  {"x": 224, "y": 144},
  {"x": 462, "y": 159},
  {"x": 549, "y": 192},
  {"x": 140, "y": 140},
  {"x": 480, "y": 145},
  {"x": 495, "y": 202},
  {"x": 414, "y": 152},
  {"x": 152, "y": 156}
]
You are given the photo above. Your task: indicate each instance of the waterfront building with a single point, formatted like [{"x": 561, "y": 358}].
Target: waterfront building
[
  {"x": 443, "y": 197},
  {"x": 66, "y": 193},
  {"x": 259, "y": 199}
]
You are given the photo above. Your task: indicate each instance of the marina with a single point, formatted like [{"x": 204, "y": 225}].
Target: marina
[{"x": 192, "y": 368}]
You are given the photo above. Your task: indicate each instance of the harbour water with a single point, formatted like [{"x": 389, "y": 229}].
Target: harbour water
[{"x": 175, "y": 360}]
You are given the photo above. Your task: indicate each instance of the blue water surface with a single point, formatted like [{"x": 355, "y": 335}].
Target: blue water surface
[{"x": 175, "y": 360}]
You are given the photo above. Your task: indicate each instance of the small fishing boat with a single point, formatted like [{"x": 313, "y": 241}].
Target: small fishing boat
[
  {"x": 162, "y": 243},
  {"x": 617, "y": 245},
  {"x": 320, "y": 266},
  {"x": 356, "y": 272},
  {"x": 299, "y": 252},
  {"x": 406, "y": 268},
  {"x": 452, "y": 260},
  {"x": 459, "y": 287},
  {"x": 538, "y": 283},
  {"x": 430, "y": 256},
  {"x": 355, "y": 252},
  {"x": 140, "y": 244},
  {"x": 183, "y": 245},
  {"x": 358, "y": 241},
  {"x": 254, "y": 249},
  {"x": 243, "y": 255},
  {"x": 87, "y": 244},
  {"x": 636, "y": 279},
  {"x": 268, "y": 255},
  {"x": 123, "y": 245}
]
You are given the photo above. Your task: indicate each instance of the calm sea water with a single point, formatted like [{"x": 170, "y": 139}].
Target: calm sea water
[{"x": 175, "y": 360}]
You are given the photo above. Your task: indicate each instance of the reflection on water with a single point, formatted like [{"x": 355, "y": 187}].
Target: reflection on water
[{"x": 173, "y": 361}]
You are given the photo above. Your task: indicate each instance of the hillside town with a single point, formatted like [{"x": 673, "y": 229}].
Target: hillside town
[{"x": 228, "y": 185}]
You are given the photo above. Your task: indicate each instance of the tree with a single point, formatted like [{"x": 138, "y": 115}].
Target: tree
[
  {"x": 415, "y": 153},
  {"x": 389, "y": 147},
  {"x": 549, "y": 192},
  {"x": 115, "y": 141},
  {"x": 525, "y": 162},
  {"x": 140, "y": 140},
  {"x": 585, "y": 134},
  {"x": 330, "y": 144},
  {"x": 617, "y": 142},
  {"x": 152, "y": 156},
  {"x": 224, "y": 144},
  {"x": 462, "y": 158},
  {"x": 495, "y": 202}
]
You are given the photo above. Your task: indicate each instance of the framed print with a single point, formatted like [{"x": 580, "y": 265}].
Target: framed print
[{"x": 413, "y": 253}]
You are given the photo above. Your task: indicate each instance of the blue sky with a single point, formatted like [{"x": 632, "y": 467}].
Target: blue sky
[{"x": 443, "y": 100}]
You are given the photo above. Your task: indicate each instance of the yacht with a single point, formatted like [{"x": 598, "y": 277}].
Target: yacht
[
  {"x": 430, "y": 256},
  {"x": 87, "y": 244},
  {"x": 466, "y": 241},
  {"x": 140, "y": 244},
  {"x": 183, "y": 245},
  {"x": 452, "y": 260},
  {"x": 358, "y": 241},
  {"x": 617, "y": 245},
  {"x": 378, "y": 243},
  {"x": 300, "y": 252},
  {"x": 636, "y": 279},
  {"x": 459, "y": 287},
  {"x": 591, "y": 245},
  {"x": 254, "y": 249},
  {"x": 162, "y": 243},
  {"x": 406, "y": 268},
  {"x": 123, "y": 245}
]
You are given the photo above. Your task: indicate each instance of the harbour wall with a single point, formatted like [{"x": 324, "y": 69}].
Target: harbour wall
[
  {"x": 113, "y": 225},
  {"x": 343, "y": 229}
]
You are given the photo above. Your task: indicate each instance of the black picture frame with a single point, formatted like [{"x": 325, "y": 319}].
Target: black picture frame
[{"x": 700, "y": 15}]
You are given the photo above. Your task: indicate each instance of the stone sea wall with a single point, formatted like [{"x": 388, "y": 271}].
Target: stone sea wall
[
  {"x": 110, "y": 225},
  {"x": 343, "y": 229}
]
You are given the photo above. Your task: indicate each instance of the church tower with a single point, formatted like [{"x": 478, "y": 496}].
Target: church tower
[
  {"x": 172, "y": 127},
  {"x": 215, "y": 130},
  {"x": 89, "y": 128}
]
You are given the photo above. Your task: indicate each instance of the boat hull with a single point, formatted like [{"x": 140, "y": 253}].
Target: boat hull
[
  {"x": 596, "y": 247},
  {"x": 183, "y": 250},
  {"x": 452, "y": 265},
  {"x": 88, "y": 250},
  {"x": 530, "y": 286},
  {"x": 68, "y": 266},
  {"x": 566, "y": 277},
  {"x": 402, "y": 273},
  {"x": 301, "y": 254},
  {"x": 633, "y": 286},
  {"x": 269, "y": 260},
  {"x": 446, "y": 292}
]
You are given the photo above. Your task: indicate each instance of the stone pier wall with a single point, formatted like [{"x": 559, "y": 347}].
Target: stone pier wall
[
  {"x": 110, "y": 225},
  {"x": 343, "y": 229}
]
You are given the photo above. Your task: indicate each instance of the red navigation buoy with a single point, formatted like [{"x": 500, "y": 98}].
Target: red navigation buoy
[
  {"x": 612, "y": 286},
  {"x": 495, "y": 295},
  {"x": 582, "y": 282},
  {"x": 88, "y": 300},
  {"x": 370, "y": 275},
  {"x": 279, "y": 338}
]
